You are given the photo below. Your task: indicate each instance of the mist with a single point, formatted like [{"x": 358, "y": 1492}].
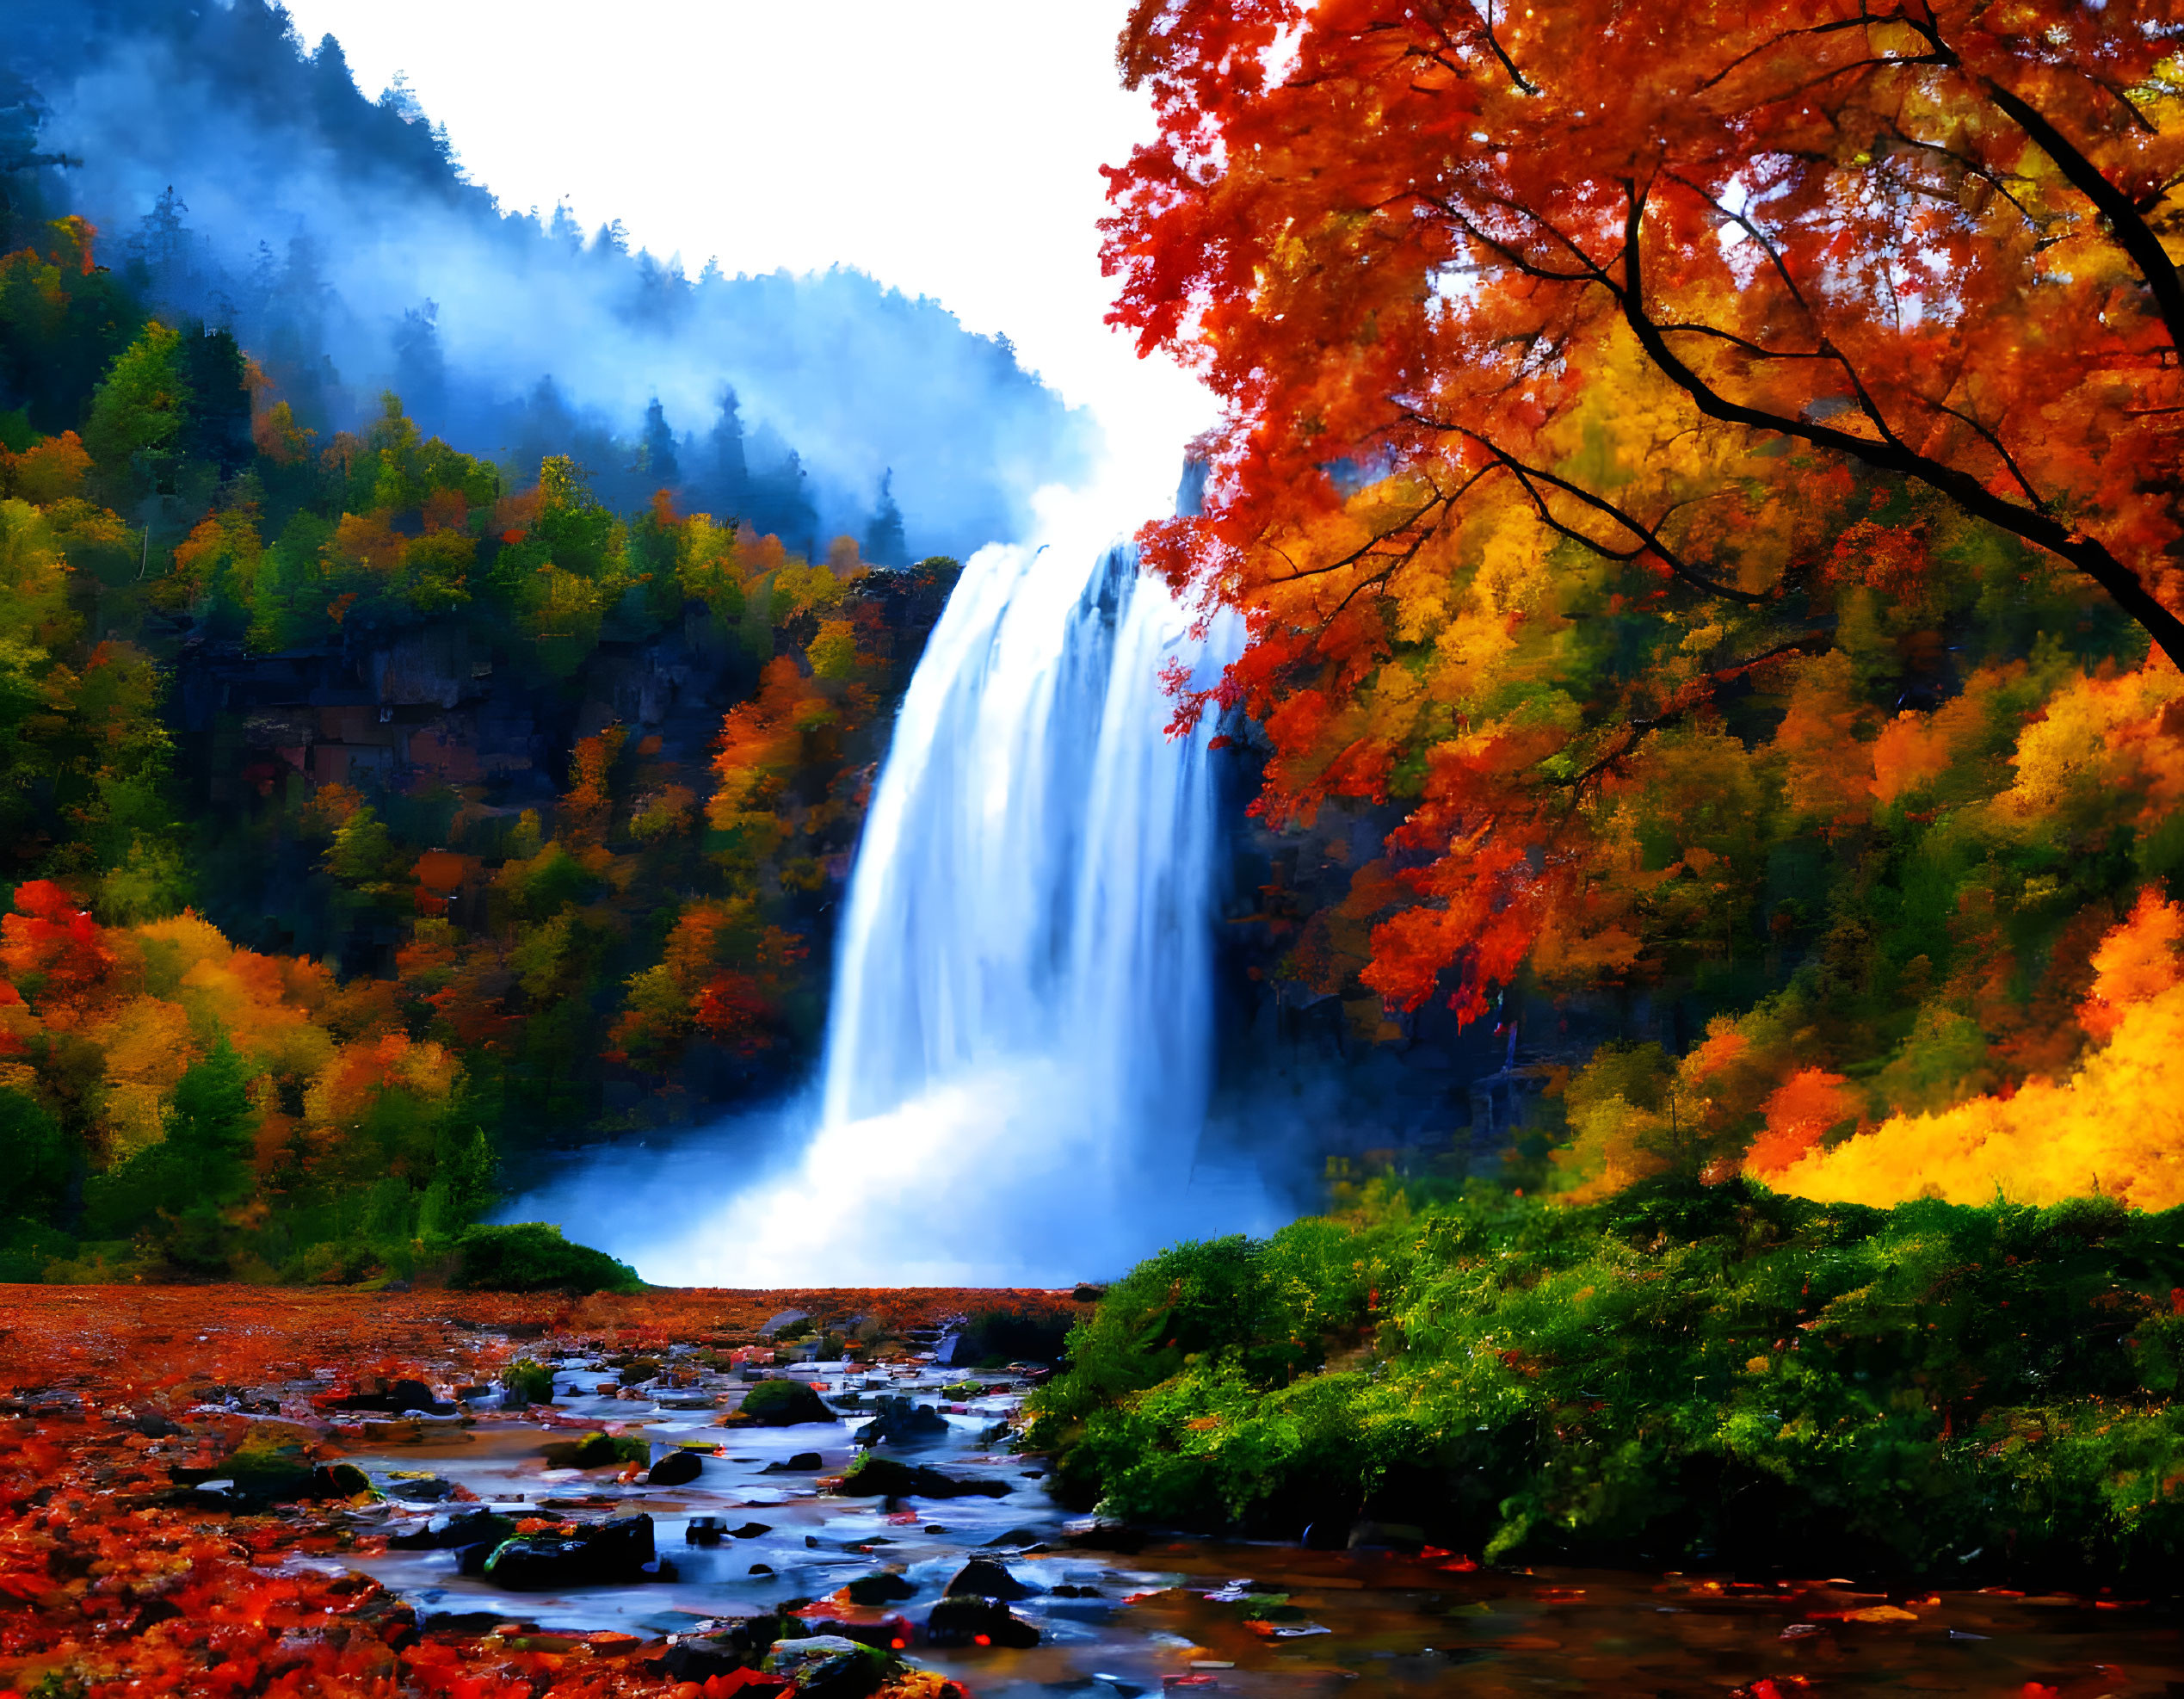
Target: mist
[{"x": 248, "y": 183}]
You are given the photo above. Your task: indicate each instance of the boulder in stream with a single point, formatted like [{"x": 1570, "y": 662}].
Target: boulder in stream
[
  {"x": 982, "y": 1577},
  {"x": 829, "y": 1667},
  {"x": 902, "y": 1421},
  {"x": 782, "y": 1403},
  {"x": 966, "y": 1621},
  {"x": 883, "y": 1588},
  {"x": 874, "y": 1476},
  {"x": 602, "y": 1554},
  {"x": 677, "y": 1468}
]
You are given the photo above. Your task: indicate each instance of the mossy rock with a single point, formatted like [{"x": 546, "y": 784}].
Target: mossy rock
[
  {"x": 597, "y": 1451},
  {"x": 871, "y": 1476},
  {"x": 783, "y": 1404}
]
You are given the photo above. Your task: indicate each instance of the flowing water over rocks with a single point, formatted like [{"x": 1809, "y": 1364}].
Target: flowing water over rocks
[{"x": 1010, "y": 1595}]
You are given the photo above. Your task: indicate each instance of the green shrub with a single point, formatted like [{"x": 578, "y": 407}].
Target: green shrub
[
  {"x": 533, "y": 1257},
  {"x": 1679, "y": 1373},
  {"x": 531, "y": 1382}
]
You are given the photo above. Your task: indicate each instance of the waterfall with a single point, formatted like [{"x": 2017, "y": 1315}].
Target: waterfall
[
  {"x": 1017, "y": 1059},
  {"x": 1034, "y": 883}
]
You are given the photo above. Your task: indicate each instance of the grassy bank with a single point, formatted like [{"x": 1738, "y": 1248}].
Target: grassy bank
[{"x": 1678, "y": 1375}]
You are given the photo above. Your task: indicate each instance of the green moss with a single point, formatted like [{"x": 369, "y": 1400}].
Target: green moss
[{"x": 1682, "y": 1373}]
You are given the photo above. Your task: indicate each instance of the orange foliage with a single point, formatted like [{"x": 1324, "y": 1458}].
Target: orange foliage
[
  {"x": 47, "y": 471},
  {"x": 1800, "y": 1112},
  {"x": 2135, "y": 963},
  {"x": 370, "y": 541}
]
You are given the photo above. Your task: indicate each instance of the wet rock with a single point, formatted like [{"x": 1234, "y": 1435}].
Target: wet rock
[
  {"x": 677, "y": 1468},
  {"x": 760, "y": 1569},
  {"x": 602, "y": 1554},
  {"x": 883, "y": 1588},
  {"x": 703, "y": 1531},
  {"x": 967, "y": 1621},
  {"x": 446, "y": 1533},
  {"x": 152, "y": 1425},
  {"x": 784, "y": 1403},
  {"x": 597, "y": 1450},
  {"x": 752, "y": 1530},
  {"x": 902, "y": 1421},
  {"x": 801, "y": 1463},
  {"x": 982, "y": 1577},
  {"x": 701, "y": 1657},
  {"x": 397, "y": 1399},
  {"x": 828, "y": 1666},
  {"x": 1018, "y": 1536},
  {"x": 873, "y": 1476}
]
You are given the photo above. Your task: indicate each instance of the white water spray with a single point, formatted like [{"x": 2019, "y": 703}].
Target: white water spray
[{"x": 1017, "y": 1059}]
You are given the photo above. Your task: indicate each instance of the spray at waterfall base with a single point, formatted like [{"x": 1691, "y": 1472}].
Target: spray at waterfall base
[{"x": 1020, "y": 1050}]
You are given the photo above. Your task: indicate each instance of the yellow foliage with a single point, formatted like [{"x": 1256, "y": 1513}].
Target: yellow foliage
[
  {"x": 2117, "y": 1127},
  {"x": 2105, "y": 731},
  {"x": 147, "y": 1047}
]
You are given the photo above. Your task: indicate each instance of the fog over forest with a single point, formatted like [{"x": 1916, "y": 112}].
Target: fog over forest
[{"x": 244, "y": 181}]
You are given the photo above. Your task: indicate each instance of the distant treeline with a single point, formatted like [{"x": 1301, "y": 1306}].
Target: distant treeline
[{"x": 243, "y": 182}]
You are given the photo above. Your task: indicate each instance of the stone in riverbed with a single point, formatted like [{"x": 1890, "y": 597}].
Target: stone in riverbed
[
  {"x": 677, "y": 1468},
  {"x": 982, "y": 1577},
  {"x": 752, "y": 1530},
  {"x": 883, "y": 1588},
  {"x": 873, "y": 1476},
  {"x": 602, "y": 1554},
  {"x": 783, "y": 1403},
  {"x": 902, "y": 1421},
  {"x": 965, "y": 1620},
  {"x": 799, "y": 1464},
  {"x": 829, "y": 1667}
]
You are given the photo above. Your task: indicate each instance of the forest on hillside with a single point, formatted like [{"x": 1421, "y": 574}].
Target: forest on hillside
[{"x": 396, "y": 816}]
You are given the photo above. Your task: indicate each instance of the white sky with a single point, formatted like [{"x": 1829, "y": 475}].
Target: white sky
[{"x": 949, "y": 147}]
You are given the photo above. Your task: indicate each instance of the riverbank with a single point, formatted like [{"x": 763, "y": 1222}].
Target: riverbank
[{"x": 1682, "y": 1376}]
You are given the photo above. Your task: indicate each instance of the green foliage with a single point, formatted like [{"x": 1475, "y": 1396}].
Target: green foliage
[
  {"x": 528, "y": 1381},
  {"x": 1682, "y": 1373},
  {"x": 176, "y": 1189},
  {"x": 533, "y": 1256},
  {"x": 35, "y": 1158}
]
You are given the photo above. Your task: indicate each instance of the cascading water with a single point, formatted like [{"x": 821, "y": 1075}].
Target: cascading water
[{"x": 1017, "y": 1057}]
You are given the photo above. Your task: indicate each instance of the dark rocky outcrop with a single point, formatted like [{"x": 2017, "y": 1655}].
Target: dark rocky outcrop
[
  {"x": 677, "y": 1468},
  {"x": 873, "y": 1476},
  {"x": 903, "y": 1421},
  {"x": 982, "y": 1577},
  {"x": 963, "y": 1620},
  {"x": 602, "y": 1553},
  {"x": 783, "y": 1403}
]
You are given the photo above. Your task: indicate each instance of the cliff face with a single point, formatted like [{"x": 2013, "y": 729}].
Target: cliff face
[{"x": 470, "y": 761}]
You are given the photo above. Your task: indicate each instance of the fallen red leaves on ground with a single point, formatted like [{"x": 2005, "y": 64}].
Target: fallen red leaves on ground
[{"x": 115, "y": 1581}]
